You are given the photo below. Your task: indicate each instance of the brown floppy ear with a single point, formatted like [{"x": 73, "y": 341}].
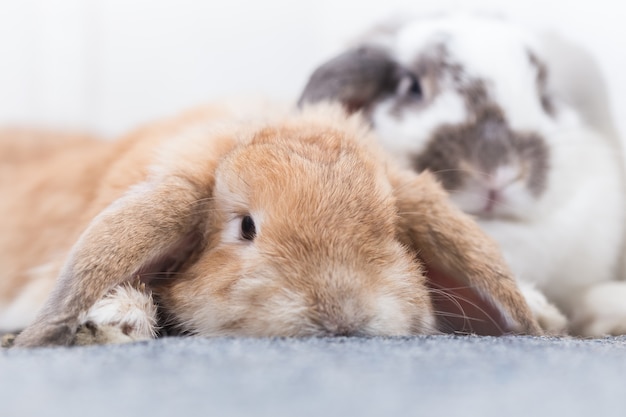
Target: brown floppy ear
[
  {"x": 355, "y": 78},
  {"x": 464, "y": 266},
  {"x": 152, "y": 228}
]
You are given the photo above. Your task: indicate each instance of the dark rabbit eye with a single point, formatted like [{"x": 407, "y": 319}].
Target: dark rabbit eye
[
  {"x": 410, "y": 87},
  {"x": 416, "y": 88},
  {"x": 248, "y": 229}
]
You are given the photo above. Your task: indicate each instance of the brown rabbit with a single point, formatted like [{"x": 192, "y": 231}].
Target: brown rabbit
[{"x": 293, "y": 225}]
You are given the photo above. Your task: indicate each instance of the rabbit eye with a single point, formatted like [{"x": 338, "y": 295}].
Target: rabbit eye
[
  {"x": 410, "y": 86},
  {"x": 248, "y": 229},
  {"x": 416, "y": 88}
]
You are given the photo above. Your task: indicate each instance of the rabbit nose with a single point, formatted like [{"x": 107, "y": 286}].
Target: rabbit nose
[
  {"x": 343, "y": 324},
  {"x": 340, "y": 323},
  {"x": 340, "y": 329}
]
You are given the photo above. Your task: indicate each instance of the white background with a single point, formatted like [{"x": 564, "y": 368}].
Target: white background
[{"x": 109, "y": 65}]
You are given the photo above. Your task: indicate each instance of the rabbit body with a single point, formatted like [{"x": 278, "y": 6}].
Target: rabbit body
[{"x": 281, "y": 225}]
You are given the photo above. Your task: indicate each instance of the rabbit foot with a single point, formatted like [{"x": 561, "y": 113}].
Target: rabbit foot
[
  {"x": 550, "y": 319},
  {"x": 602, "y": 311},
  {"x": 126, "y": 314},
  {"x": 7, "y": 340}
]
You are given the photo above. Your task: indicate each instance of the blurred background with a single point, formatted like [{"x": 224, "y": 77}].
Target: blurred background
[{"x": 108, "y": 65}]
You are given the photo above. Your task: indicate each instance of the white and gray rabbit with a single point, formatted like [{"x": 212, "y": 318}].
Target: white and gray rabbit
[{"x": 516, "y": 125}]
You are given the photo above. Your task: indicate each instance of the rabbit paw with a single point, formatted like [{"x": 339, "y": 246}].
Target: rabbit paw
[
  {"x": 602, "y": 311},
  {"x": 126, "y": 314},
  {"x": 7, "y": 340},
  {"x": 550, "y": 319}
]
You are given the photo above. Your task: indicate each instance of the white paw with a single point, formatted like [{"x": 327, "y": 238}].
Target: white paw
[
  {"x": 602, "y": 311},
  {"x": 126, "y": 314},
  {"x": 551, "y": 320}
]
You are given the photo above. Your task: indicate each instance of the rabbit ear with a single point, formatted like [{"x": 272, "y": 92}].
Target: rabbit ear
[
  {"x": 463, "y": 264},
  {"x": 566, "y": 63},
  {"x": 150, "y": 229},
  {"x": 355, "y": 78}
]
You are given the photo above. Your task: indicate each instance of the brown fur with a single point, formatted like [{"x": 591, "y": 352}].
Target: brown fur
[
  {"x": 468, "y": 256},
  {"x": 18, "y": 144},
  {"x": 338, "y": 231}
]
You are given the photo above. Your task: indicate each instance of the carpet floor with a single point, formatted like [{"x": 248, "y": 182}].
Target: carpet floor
[{"x": 418, "y": 376}]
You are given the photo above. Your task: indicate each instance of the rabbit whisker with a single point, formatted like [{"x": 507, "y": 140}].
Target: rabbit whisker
[{"x": 455, "y": 299}]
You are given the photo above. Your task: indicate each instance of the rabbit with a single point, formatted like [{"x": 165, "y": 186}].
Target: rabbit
[
  {"x": 283, "y": 224},
  {"x": 20, "y": 144},
  {"x": 516, "y": 125}
]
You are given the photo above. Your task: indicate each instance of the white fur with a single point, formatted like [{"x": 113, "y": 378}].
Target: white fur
[
  {"x": 390, "y": 320},
  {"x": 126, "y": 314},
  {"x": 603, "y": 310},
  {"x": 388, "y": 317},
  {"x": 474, "y": 43},
  {"x": 574, "y": 240},
  {"x": 568, "y": 242},
  {"x": 409, "y": 137},
  {"x": 551, "y": 320}
]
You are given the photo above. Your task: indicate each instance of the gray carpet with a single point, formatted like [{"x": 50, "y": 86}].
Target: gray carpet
[{"x": 422, "y": 376}]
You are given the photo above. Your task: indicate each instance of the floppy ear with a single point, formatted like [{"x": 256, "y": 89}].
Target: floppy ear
[
  {"x": 464, "y": 266},
  {"x": 355, "y": 78},
  {"x": 151, "y": 229}
]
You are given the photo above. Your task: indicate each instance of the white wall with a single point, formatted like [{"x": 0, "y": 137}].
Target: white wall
[{"x": 107, "y": 65}]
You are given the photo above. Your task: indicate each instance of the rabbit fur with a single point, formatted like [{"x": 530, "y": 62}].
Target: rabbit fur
[
  {"x": 211, "y": 223},
  {"x": 516, "y": 125}
]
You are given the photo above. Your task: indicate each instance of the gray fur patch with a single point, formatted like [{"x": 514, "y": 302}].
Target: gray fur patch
[
  {"x": 485, "y": 144},
  {"x": 356, "y": 78},
  {"x": 542, "y": 84}
]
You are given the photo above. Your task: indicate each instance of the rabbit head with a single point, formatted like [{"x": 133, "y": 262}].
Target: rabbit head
[{"x": 466, "y": 97}]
